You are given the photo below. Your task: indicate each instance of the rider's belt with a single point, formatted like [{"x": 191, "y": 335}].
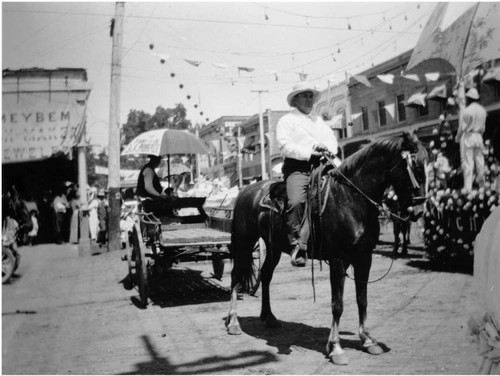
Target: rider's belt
[{"x": 291, "y": 165}]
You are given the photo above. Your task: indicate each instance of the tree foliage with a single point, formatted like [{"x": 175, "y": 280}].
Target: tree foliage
[{"x": 139, "y": 122}]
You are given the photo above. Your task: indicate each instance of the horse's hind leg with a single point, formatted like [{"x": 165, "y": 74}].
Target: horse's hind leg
[
  {"x": 240, "y": 276},
  {"x": 266, "y": 315},
  {"x": 361, "y": 275},
  {"x": 337, "y": 279},
  {"x": 232, "y": 323}
]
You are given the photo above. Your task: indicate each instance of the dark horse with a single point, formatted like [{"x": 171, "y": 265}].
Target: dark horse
[{"x": 347, "y": 232}]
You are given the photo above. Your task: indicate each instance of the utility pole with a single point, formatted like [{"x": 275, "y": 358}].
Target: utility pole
[
  {"x": 114, "y": 130},
  {"x": 198, "y": 172},
  {"x": 84, "y": 244},
  {"x": 261, "y": 130},
  {"x": 240, "y": 157}
]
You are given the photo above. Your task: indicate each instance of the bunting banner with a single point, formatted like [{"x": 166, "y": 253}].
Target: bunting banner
[
  {"x": 244, "y": 70},
  {"x": 413, "y": 77},
  {"x": 432, "y": 76},
  {"x": 363, "y": 80},
  {"x": 417, "y": 99},
  {"x": 302, "y": 76},
  {"x": 221, "y": 66},
  {"x": 492, "y": 74},
  {"x": 387, "y": 78},
  {"x": 335, "y": 122},
  {"x": 355, "y": 116},
  {"x": 193, "y": 62},
  {"x": 391, "y": 110},
  {"x": 439, "y": 92}
]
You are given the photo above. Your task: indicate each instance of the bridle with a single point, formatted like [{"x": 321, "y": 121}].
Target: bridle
[
  {"x": 406, "y": 155},
  {"x": 410, "y": 159}
]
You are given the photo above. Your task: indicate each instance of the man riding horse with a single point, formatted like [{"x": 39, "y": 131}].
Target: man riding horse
[{"x": 302, "y": 138}]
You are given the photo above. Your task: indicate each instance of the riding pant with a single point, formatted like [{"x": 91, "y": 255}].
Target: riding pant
[{"x": 297, "y": 185}]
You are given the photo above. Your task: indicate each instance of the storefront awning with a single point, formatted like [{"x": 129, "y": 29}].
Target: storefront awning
[{"x": 335, "y": 122}]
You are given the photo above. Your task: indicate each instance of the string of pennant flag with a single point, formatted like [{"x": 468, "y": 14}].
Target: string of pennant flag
[{"x": 196, "y": 63}]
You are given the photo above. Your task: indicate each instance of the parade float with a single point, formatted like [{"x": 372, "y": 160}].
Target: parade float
[{"x": 452, "y": 216}]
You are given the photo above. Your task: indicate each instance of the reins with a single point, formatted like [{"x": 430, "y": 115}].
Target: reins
[{"x": 370, "y": 200}]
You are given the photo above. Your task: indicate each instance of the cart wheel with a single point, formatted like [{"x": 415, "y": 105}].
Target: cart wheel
[
  {"x": 258, "y": 256},
  {"x": 17, "y": 257},
  {"x": 8, "y": 264},
  {"x": 218, "y": 265},
  {"x": 131, "y": 264},
  {"x": 139, "y": 250}
]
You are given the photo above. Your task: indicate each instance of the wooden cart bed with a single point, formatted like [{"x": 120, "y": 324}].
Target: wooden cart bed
[{"x": 192, "y": 235}]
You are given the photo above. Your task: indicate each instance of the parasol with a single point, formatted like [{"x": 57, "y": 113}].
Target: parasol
[
  {"x": 465, "y": 34},
  {"x": 165, "y": 142}
]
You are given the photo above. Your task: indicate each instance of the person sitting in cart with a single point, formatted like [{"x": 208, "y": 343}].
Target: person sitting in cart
[{"x": 150, "y": 191}]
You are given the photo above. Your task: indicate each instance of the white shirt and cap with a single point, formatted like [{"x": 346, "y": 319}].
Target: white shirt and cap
[
  {"x": 474, "y": 117},
  {"x": 297, "y": 133}
]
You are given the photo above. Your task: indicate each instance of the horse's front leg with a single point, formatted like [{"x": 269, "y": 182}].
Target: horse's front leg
[
  {"x": 361, "y": 275},
  {"x": 232, "y": 323},
  {"x": 337, "y": 281},
  {"x": 396, "y": 225},
  {"x": 406, "y": 237}
]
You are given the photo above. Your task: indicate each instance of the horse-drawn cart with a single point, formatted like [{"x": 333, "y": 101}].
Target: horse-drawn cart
[{"x": 156, "y": 243}]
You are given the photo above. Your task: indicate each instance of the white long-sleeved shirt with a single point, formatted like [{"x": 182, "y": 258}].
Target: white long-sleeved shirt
[
  {"x": 297, "y": 133},
  {"x": 474, "y": 119}
]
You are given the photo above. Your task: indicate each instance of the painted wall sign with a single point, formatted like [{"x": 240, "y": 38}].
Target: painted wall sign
[{"x": 34, "y": 128}]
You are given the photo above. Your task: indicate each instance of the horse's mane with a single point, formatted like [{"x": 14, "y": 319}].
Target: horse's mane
[{"x": 392, "y": 146}]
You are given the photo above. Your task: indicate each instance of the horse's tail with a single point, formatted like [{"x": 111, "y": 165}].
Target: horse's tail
[
  {"x": 244, "y": 272},
  {"x": 244, "y": 237}
]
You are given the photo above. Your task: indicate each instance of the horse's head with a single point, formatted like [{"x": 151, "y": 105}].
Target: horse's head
[{"x": 407, "y": 175}]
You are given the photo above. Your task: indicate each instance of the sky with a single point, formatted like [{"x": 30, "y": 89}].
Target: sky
[{"x": 219, "y": 54}]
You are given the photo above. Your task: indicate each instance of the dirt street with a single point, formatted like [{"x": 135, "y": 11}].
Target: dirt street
[{"x": 65, "y": 314}]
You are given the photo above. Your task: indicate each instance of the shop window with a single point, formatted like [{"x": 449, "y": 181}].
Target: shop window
[
  {"x": 400, "y": 99},
  {"x": 382, "y": 115},
  {"x": 423, "y": 110},
  {"x": 364, "y": 118},
  {"x": 496, "y": 89}
]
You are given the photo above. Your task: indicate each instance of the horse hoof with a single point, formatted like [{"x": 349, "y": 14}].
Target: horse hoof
[
  {"x": 339, "y": 359},
  {"x": 374, "y": 350},
  {"x": 234, "y": 330}
]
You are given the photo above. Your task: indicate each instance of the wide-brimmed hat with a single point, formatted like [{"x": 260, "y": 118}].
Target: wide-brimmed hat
[
  {"x": 302, "y": 87},
  {"x": 472, "y": 94}
]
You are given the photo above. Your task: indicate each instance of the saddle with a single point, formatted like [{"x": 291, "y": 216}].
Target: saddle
[{"x": 275, "y": 199}]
